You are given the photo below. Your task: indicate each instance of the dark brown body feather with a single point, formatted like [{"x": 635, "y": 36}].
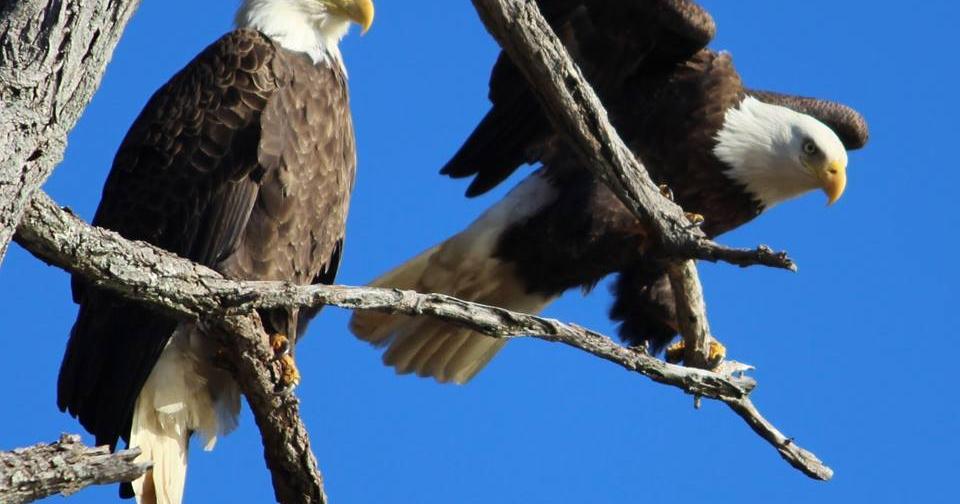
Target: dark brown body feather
[
  {"x": 244, "y": 161},
  {"x": 668, "y": 96}
]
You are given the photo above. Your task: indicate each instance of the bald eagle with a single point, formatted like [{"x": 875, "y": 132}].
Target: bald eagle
[
  {"x": 244, "y": 162},
  {"x": 726, "y": 152}
]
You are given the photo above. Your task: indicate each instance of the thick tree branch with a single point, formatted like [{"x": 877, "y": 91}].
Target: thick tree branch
[
  {"x": 63, "y": 467},
  {"x": 52, "y": 56},
  {"x": 145, "y": 273}
]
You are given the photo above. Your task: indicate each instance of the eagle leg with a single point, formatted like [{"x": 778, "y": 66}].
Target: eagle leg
[
  {"x": 716, "y": 353},
  {"x": 694, "y": 218},
  {"x": 666, "y": 192},
  {"x": 289, "y": 374}
]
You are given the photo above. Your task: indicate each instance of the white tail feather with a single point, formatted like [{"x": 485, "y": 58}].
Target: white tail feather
[
  {"x": 182, "y": 395},
  {"x": 465, "y": 267}
]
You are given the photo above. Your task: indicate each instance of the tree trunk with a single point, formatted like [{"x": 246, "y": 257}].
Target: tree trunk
[{"x": 52, "y": 56}]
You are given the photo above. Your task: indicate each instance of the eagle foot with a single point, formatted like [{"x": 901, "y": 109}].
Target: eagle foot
[
  {"x": 289, "y": 374},
  {"x": 666, "y": 192},
  {"x": 716, "y": 353},
  {"x": 695, "y": 218}
]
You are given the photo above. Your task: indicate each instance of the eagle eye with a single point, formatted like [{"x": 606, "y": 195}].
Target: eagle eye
[{"x": 810, "y": 148}]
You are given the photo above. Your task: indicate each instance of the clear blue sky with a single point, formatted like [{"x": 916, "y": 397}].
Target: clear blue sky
[{"x": 847, "y": 350}]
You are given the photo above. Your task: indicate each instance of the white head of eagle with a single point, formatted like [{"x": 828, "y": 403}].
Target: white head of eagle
[
  {"x": 311, "y": 26},
  {"x": 778, "y": 154}
]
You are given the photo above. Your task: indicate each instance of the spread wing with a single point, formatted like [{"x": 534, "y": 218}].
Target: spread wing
[
  {"x": 611, "y": 41},
  {"x": 185, "y": 178}
]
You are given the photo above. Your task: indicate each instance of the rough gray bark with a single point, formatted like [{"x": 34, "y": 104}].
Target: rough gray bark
[
  {"x": 145, "y": 273},
  {"x": 63, "y": 467},
  {"x": 52, "y": 56}
]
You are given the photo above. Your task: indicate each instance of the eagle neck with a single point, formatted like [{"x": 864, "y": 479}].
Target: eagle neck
[
  {"x": 754, "y": 143},
  {"x": 297, "y": 26}
]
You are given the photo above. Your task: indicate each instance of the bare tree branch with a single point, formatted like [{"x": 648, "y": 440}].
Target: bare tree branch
[
  {"x": 52, "y": 56},
  {"x": 181, "y": 288},
  {"x": 63, "y": 467},
  {"x": 801, "y": 459}
]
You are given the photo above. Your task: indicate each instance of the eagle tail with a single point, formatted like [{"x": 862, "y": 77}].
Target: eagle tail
[
  {"x": 181, "y": 396},
  {"x": 464, "y": 266}
]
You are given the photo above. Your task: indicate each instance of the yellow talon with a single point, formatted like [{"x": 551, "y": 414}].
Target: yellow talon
[
  {"x": 289, "y": 374},
  {"x": 674, "y": 353},
  {"x": 279, "y": 343},
  {"x": 716, "y": 352},
  {"x": 666, "y": 192},
  {"x": 695, "y": 218}
]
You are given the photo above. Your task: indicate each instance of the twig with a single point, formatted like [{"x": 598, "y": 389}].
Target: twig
[
  {"x": 64, "y": 467},
  {"x": 145, "y": 273},
  {"x": 801, "y": 459}
]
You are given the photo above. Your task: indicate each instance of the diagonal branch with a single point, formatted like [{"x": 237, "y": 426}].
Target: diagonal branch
[
  {"x": 64, "y": 467},
  {"x": 184, "y": 289}
]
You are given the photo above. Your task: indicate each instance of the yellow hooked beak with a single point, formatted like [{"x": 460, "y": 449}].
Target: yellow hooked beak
[
  {"x": 833, "y": 179},
  {"x": 358, "y": 11}
]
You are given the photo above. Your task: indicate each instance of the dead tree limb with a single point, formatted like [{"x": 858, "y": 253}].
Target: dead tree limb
[
  {"x": 184, "y": 289},
  {"x": 52, "y": 56},
  {"x": 64, "y": 467}
]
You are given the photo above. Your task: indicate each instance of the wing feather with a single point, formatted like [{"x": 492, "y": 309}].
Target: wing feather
[
  {"x": 182, "y": 180},
  {"x": 611, "y": 41}
]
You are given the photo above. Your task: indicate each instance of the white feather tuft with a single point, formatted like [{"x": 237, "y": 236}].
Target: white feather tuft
[
  {"x": 297, "y": 25},
  {"x": 183, "y": 394}
]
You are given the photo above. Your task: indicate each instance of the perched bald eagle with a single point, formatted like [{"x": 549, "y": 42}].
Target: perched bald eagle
[
  {"x": 244, "y": 161},
  {"x": 726, "y": 153}
]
